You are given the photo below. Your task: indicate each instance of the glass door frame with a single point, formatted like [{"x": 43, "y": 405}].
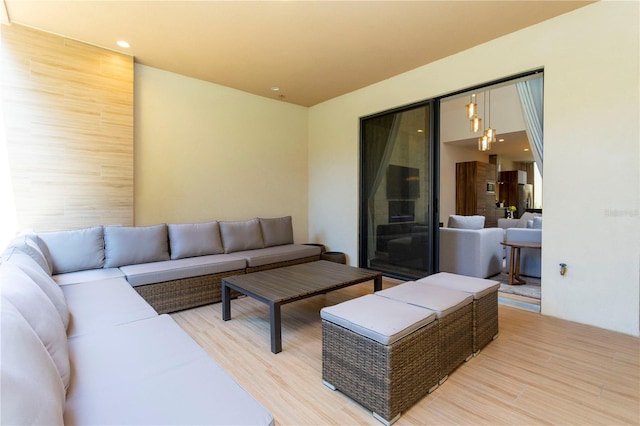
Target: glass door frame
[{"x": 433, "y": 180}]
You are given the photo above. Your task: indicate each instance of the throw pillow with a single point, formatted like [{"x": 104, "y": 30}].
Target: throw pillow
[
  {"x": 194, "y": 239},
  {"x": 277, "y": 232},
  {"x": 537, "y": 222},
  {"x": 466, "y": 222},
  {"x": 76, "y": 250},
  {"x": 131, "y": 245},
  {"x": 241, "y": 235},
  {"x": 526, "y": 216}
]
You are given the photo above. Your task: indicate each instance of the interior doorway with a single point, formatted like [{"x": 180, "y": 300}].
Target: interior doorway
[{"x": 514, "y": 158}]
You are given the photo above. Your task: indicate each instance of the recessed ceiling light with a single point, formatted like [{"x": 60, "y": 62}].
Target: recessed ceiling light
[
  {"x": 526, "y": 149},
  {"x": 500, "y": 140},
  {"x": 275, "y": 88},
  {"x": 123, "y": 44},
  {"x": 420, "y": 131}
]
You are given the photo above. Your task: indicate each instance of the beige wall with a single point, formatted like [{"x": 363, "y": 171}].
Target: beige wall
[
  {"x": 68, "y": 128},
  {"x": 591, "y": 158},
  {"x": 204, "y": 152}
]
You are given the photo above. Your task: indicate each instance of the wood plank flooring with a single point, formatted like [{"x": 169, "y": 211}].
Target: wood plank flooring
[{"x": 540, "y": 370}]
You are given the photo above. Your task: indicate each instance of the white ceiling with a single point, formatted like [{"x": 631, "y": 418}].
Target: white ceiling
[{"x": 312, "y": 50}]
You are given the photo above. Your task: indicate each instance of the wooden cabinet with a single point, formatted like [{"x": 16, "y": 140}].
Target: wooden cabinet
[{"x": 473, "y": 194}]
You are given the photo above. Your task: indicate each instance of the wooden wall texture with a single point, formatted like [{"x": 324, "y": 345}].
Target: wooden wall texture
[{"x": 68, "y": 112}]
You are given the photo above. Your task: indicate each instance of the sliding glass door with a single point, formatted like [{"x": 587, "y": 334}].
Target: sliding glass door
[{"x": 398, "y": 222}]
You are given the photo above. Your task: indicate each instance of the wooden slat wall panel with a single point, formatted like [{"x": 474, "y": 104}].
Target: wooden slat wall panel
[{"x": 69, "y": 126}]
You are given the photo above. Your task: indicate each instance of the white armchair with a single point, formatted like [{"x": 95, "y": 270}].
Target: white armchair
[
  {"x": 472, "y": 252},
  {"x": 530, "y": 259}
]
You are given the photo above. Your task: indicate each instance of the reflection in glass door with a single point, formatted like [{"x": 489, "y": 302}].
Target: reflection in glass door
[{"x": 397, "y": 197}]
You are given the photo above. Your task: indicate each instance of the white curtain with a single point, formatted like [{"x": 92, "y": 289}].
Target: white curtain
[
  {"x": 391, "y": 139},
  {"x": 530, "y": 92}
]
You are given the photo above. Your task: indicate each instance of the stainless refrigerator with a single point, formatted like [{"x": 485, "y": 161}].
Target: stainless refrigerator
[{"x": 525, "y": 198}]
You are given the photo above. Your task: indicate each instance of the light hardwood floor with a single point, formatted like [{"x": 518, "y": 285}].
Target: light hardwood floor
[{"x": 540, "y": 370}]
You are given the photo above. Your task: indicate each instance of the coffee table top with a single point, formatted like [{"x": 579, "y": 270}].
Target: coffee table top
[{"x": 298, "y": 281}]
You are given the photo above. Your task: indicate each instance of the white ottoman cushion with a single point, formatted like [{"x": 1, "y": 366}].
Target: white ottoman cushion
[
  {"x": 441, "y": 300},
  {"x": 362, "y": 316},
  {"x": 478, "y": 287}
]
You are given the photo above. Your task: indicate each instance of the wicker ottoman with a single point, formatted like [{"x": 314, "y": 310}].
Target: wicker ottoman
[
  {"x": 381, "y": 353},
  {"x": 454, "y": 312},
  {"x": 485, "y": 303}
]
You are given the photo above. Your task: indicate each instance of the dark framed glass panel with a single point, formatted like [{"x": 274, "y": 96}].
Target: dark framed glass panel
[{"x": 397, "y": 196}]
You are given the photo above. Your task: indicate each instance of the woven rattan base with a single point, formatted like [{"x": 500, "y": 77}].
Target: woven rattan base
[
  {"x": 485, "y": 321},
  {"x": 385, "y": 379},
  {"x": 171, "y": 296},
  {"x": 456, "y": 339},
  {"x": 282, "y": 264}
]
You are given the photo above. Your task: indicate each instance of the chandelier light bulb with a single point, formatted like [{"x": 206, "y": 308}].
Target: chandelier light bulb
[
  {"x": 476, "y": 124},
  {"x": 472, "y": 107},
  {"x": 483, "y": 144},
  {"x": 490, "y": 134}
]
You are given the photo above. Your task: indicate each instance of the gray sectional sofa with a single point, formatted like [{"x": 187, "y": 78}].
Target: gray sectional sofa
[{"x": 84, "y": 340}]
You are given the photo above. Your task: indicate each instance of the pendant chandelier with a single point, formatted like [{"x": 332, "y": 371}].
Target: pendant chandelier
[
  {"x": 489, "y": 136},
  {"x": 472, "y": 114}
]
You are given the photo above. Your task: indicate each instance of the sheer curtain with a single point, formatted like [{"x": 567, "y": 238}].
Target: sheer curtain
[
  {"x": 530, "y": 92},
  {"x": 383, "y": 133}
]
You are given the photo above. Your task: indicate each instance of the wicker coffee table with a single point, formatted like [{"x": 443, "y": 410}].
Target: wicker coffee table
[{"x": 277, "y": 287}]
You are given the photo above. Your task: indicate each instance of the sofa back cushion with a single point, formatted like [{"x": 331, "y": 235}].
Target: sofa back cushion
[
  {"x": 32, "y": 390},
  {"x": 130, "y": 245},
  {"x": 39, "y": 312},
  {"x": 241, "y": 235},
  {"x": 75, "y": 250},
  {"x": 525, "y": 218},
  {"x": 277, "y": 231},
  {"x": 194, "y": 239},
  {"x": 42, "y": 279},
  {"x": 28, "y": 244},
  {"x": 465, "y": 222}
]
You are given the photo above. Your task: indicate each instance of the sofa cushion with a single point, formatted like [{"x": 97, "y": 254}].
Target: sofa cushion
[
  {"x": 465, "y": 222},
  {"x": 443, "y": 301},
  {"x": 28, "y": 245},
  {"x": 152, "y": 372},
  {"x": 362, "y": 316},
  {"x": 36, "y": 308},
  {"x": 75, "y": 250},
  {"x": 43, "y": 280},
  {"x": 266, "y": 256},
  {"x": 241, "y": 235},
  {"x": 87, "y": 276},
  {"x": 478, "y": 287},
  {"x": 102, "y": 304},
  {"x": 194, "y": 239},
  {"x": 157, "y": 272},
  {"x": 32, "y": 390},
  {"x": 526, "y": 216},
  {"x": 277, "y": 231},
  {"x": 128, "y": 245},
  {"x": 537, "y": 222}
]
